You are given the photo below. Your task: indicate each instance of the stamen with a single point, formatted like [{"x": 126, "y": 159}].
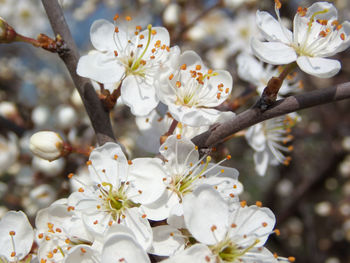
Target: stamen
[{"x": 278, "y": 4}]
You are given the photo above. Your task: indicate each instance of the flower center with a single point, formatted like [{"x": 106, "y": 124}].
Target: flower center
[
  {"x": 116, "y": 201},
  {"x": 228, "y": 251},
  {"x": 318, "y": 36},
  {"x": 190, "y": 93},
  {"x": 133, "y": 54}
]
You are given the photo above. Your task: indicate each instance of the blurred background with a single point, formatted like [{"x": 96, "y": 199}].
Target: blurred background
[{"x": 310, "y": 196}]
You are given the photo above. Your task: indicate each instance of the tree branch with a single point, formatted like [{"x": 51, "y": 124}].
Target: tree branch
[
  {"x": 99, "y": 117},
  {"x": 252, "y": 116}
]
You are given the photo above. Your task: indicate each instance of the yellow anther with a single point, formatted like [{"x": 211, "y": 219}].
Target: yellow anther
[
  {"x": 277, "y": 232},
  {"x": 258, "y": 204},
  {"x": 278, "y": 4},
  {"x": 243, "y": 203},
  {"x": 291, "y": 259}
]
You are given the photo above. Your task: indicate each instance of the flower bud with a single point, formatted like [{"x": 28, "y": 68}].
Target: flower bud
[
  {"x": 47, "y": 145},
  {"x": 7, "y": 33}
]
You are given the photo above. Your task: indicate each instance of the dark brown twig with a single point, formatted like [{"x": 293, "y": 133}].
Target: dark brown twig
[
  {"x": 98, "y": 115},
  {"x": 253, "y": 116}
]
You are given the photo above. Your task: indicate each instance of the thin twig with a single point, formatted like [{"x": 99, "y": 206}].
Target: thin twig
[
  {"x": 99, "y": 117},
  {"x": 253, "y": 116}
]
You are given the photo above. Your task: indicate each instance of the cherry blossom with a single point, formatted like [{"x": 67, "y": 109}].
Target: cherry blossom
[
  {"x": 317, "y": 35},
  {"x": 131, "y": 58},
  {"x": 119, "y": 192},
  {"x": 269, "y": 139},
  {"x": 184, "y": 171},
  {"x": 226, "y": 233},
  {"x": 191, "y": 90}
]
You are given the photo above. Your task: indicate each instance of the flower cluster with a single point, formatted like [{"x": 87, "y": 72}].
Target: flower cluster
[
  {"x": 108, "y": 217},
  {"x": 180, "y": 206}
]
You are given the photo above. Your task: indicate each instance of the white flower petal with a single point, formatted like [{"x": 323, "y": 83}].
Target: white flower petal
[
  {"x": 339, "y": 45},
  {"x": 319, "y": 67},
  {"x": 138, "y": 95},
  {"x": 259, "y": 255},
  {"x": 80, "y": 253},
  {"x": 253, "y": 222},
  {"x": 166, "y": 241},
  {"x": 146, "y": 175},
  {"x": 197, "y": 253},
  {"x": 101, "y": 35},
  {"x": 223, "y": 78},
  {"x": 160, "y": 209},
  {"x": 140, "y": 227},
  {"x": 101, "y": 67},
  {"x": 331, "y": 14},
  {"x": 109, "y": 164},
  {"x": 96, "y": 223},
  {"x": 179, "y": 153},
  {"x": 194, "y": 116},
  {"x": 261, "y": 160},
  {"x": 162, "y": 35},
  {"x": 256, "y": 138},
  {"x": 176, "y": 218},
  {"x": 122, "y": 246},
  {"x": 274, "y": 53},
  {"x": 271, "y": 29},
  {"x": 206, "y": 215},
  {"x": 249, "y": 68},
  {"x": 22, "y": 239}
]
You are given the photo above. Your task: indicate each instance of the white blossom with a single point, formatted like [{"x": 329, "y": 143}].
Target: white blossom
[
  {"x": 130, "y": 57},
  {"x": 184, "y": 172},
  {"x": 119, "y": 192},
  {"x": 226, "y": 233},
  {"x": 317, "y": 34},
  {"x": 269, "y": 139},
  {"x": 191, "y": 90}
]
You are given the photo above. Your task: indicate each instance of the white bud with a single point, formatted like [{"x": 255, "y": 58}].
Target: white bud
[
  {"x": 171, "y": 14},
  {"x": 47, "y": 145}
]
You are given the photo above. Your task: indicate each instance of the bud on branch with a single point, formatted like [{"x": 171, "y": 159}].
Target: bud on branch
[
  {"x": 48, "y": 145},
  {"x": 7, "y": 33}
]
